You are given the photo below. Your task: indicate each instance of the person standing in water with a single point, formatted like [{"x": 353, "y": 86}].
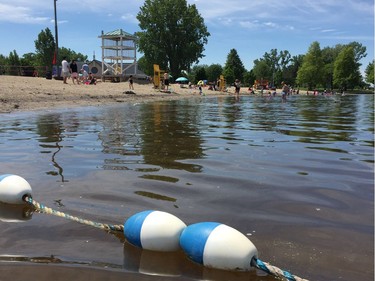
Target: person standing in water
[
  {"x": 237, "y": 86},
  {"x": 284, "y": 90}
]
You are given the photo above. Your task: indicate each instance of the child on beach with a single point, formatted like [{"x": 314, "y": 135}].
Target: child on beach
[
  {"x": 85, "y": 75},
  {"x": 131, "y": 87},
  {"x": 91, "y": 80}
]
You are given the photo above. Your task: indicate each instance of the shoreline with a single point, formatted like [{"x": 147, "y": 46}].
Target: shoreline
[{"x": 18, "y": 94}]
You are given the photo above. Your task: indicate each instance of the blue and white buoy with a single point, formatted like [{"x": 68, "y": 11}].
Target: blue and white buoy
[
  {"x": 217, "y": 245},
  {"x": 154, "y": 230},
  {"x": 13, "y": 188}
]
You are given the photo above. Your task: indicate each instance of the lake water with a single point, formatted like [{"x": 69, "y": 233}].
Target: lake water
[{"x": 297, "y": 178}]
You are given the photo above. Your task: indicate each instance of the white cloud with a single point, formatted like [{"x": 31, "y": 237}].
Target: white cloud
[
  {"x": 328, "y": 30},
  {"x": 271, "y": 24},
  {"x": 288, "y": 12},
  {"x": 249, "y": 24},
  {"x": 19, "y": 14},
  {"x": 131, "y": 18},
  {"x": 59, "y": 21}
]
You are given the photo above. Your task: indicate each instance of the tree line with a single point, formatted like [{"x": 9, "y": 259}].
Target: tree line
[
  {"x": 173, "y": 35},
  {"x": 42, "y": 59}
]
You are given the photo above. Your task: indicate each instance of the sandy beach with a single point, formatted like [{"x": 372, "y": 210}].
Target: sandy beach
[{"x": 30, "y": 93}]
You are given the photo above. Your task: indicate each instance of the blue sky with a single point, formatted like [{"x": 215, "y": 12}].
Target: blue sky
[{"x": 251, "y": 27}]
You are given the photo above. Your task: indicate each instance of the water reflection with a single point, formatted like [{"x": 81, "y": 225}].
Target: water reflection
[
  {"x": 15, "y": 213},
  {"x": 50, "y": 130},
  {"x": 165, "y": 134},
  {"x": 158, "y": 134},
  {"x": 303, "y": 168},
  {"x": 170, "y": 133},
  {"x": 53, "y": 128}
]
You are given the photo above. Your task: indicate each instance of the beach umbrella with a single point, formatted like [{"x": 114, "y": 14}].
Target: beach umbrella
[{"x": 182, "y": 79}]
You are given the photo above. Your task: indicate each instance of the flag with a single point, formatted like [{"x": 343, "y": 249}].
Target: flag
[{"x": 54, "y": 58}]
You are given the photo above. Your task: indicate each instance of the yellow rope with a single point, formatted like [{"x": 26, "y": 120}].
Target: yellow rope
[
  {"x": 44, "y": 209},
  {"x": 266, "y": 267}
]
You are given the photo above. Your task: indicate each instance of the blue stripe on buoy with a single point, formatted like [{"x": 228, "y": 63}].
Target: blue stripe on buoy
[
  {"x": 193, "y": 239},
  {"x": 133, "y": 226},
  {"x": 4, "y": 176}
]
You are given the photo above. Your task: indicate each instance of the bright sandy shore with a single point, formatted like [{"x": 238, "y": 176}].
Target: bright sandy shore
[{"x": 30, "y": 93}]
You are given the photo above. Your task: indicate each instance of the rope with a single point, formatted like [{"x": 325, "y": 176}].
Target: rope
[
  {"x": 266, "y": 267},
  {"x": 44, "y": 209},
  {"x": 275, "y": 271}
]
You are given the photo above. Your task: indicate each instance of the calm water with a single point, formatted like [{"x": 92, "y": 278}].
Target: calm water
[{"x": 297, "y": 178}]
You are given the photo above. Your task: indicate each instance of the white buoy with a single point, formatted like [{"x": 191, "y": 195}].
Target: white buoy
[
  {"x": 217, "y": 245},
  {"x": 13, "y": 188},
  {"x": 154, "y": 230}
]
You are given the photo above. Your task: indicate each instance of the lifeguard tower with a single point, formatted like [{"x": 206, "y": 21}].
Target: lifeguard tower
[{"x": 119, "y": 55}]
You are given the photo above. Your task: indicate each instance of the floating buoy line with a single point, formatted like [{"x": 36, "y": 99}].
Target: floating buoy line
[{"x": 211, "y": 244}]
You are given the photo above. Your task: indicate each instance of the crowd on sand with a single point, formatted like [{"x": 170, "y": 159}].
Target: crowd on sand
[{"x": 81, "y": 88}]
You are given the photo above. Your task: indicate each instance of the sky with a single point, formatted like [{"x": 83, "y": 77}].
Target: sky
[{"x": 252, "y": 27}]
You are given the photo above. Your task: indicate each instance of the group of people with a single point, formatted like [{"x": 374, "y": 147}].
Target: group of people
[{"x": 71, "y": 71}]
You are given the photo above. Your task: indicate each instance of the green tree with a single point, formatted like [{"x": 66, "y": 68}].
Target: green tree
[
  {"x": 262, "y": 70},
  {"x": 346, "y": 72},
  {"x": 310, "y": 72},
  {"x": 14, "y": 63},
  {"x": 71, "y": 55},
  {"x": 146, "y": 66},
  {"x": 272, "y": 60},
  {"x": 173, "y": 34},
  {"x": 45, "y": 48},
  {"x": 274, "y": 66},
  {"x": 3, "y": 64},
  {"x": 200, "y": 73},
  {"x": 14, "y": 59},
  {"x": 29, "y": 59},
  {"x": 249, "y": 78},
  {"x": 213, "y": 72},
  {"x": 289, "y": 74},
  {"x": 277, "y": 62},
  {"x": 233, "y": 68},
  {"x": 359, "y": 51},
  {"x": 370, "y": 73},
  {"x": 329, "y": 56}
]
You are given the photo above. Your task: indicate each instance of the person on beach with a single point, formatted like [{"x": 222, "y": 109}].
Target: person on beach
[
  {"x": 74, "y": 71},
  {"x": 131, "y": 87},
  {"x": 65, "y": 70},
  {"x": 85, "y": 75},
  {"x": 92, "y": 79},
  {"x": 85, "y": 66},
  {"x": 166, "y": 80}
]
